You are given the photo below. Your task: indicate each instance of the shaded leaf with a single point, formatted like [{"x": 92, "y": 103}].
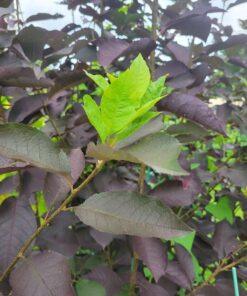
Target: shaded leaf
[
  {"x": 233, "y": 40},
  {"x": 56, "y": 187},
  {"x": 26, "y": 106},
  {"x": 181, "y": 53},
  {"x": 224, "y": 239},
  {"x": 194, "y": 25},
  {"x": 153, "y": 254},
  {"x": 123, "y": 212},
  {"x": 32, "y": 40},
  {"x": 59, "y": 236},
  {"x": 17, "y": 223},
  {"x": 194, "y": 109},
  {"x": 149, "y": 150},
  {"x": 85, "y": 288},
  {"x": 107, "y": 278},
  {"x": 185, "y": 261},
  {"x": 42, "y": 274},
  {"x": 173, "y": 194},
  {"x": 176, "y": 274},
  {"x": 237, "y": 174},
  {"x": 9, "y": 165},
  {"x": 102, "y": 238},
  {"x": 111, "y": 49},
  {"x": 42, "y": 16},
  {"x": 21, "y": 142},
  {"x": 152, "y": 127}
]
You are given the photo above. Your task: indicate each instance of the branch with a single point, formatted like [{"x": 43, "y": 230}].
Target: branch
[
  {"x": 62, "y": 207},
  {"x": 141, "y": 184},
  {"x": 154, "y": 6},
  {"x": 223, "y": 266}
]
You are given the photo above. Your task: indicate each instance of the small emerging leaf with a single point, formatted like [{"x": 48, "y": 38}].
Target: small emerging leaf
[{"x": 99, "y": 80}]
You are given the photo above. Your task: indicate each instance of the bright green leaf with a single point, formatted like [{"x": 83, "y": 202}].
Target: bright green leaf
[
  {"x": 155, "y": 90},
  {"x": 123, "y": 96},
  {"x": 221, "y": 210},
  {"x": 94, "y": 115},
  {"x": 135, "y": 125},
  {"x": 86, "y": 287},
  {"x": 186, "y": 241},
  {"x": 99, "y": 80}
]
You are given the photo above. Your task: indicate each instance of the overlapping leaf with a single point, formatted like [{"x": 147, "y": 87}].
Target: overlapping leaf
[
  {"x": 149, "y": 150},
  {"x": 17, "y": 223},
  {"x": 130, "y": 213},
  {"x": 21, "y": 142},
  {"x": 42, "y": 274}
]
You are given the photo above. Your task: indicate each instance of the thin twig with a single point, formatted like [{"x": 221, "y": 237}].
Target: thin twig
[
  {"x": 222, "y": 266},
  {"x": 46, "y": 222},
  {"x": 18, "y": 15},
  {"x": 154, "y": 6},
  {"x": 141, "y": 184}
]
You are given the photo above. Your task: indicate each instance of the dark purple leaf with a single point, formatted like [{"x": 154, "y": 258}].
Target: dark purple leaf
[
  {"x": 42, "y": 274},
  {"x": 173, "y": 68},
  {"x": 108, "y": 181},
  {"x": 238, "y": 61},
  {"x": 191, "y": 107},
  {"x": 9, "y": 184},
  {"x": 102, "y": 238},
  {"x": 200, "y": 73},
  {"x": 43, "y": 16},
  {"x": 181, "y": 53},
  {"x": 9, "y": 165},
  {"x": 194, "y": 25},
  {"x": 149, "y": 289},
  {"x": 6, "y": 39},
  {"x": 224, "y": 112},
  {"x": 32, "y": 181},
  {"x": 153, "y": 254},
  {"x": 204, "y": 7},
  {"x": 56, "y": 187},
  {"x": 185, "y": 261},
  {"x": 32, "y": 40},
  {"x": 107, "y": 278},
  {"x": 17, "y": 223},
  {"x": 234, "y": 40},
  {"x": 176, "y": 274},
  {"x": 26, "y": 106},
  {"x": 237, "y": 2},
  {"x": 237, "y": 174},
  {"x": 173, "y": 194},
  {"x": 182, "y": 81},
  {"x": 110, "y": 50},
  {"x": 59, "y": 236},
  {"x": 207, "y": 291},
  {"x": 224, "y": 239}
]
